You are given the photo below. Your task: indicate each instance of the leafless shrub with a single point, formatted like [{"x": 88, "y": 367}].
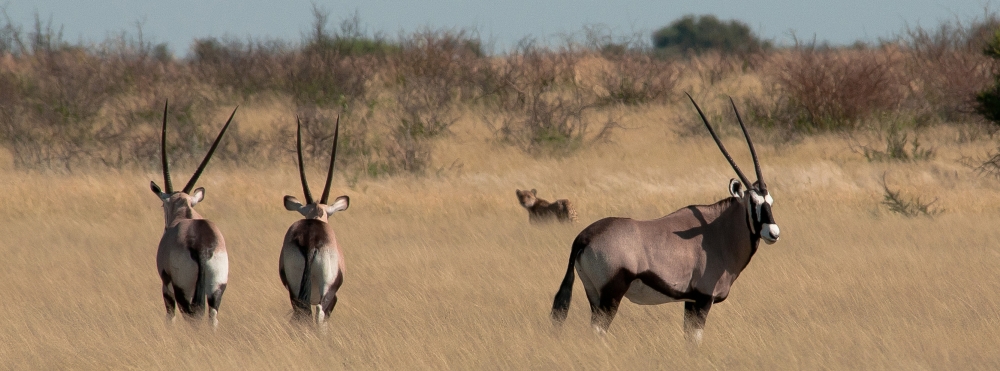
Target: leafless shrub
[
  {"x": 906, "y": 206},
  {"x": 989, "y": 166},
  {"x": 947, "y": 67},
  {"x": 542, "y": 109},
  {"x": 638, "y": 79},
  {"x": 246, "y": 67},
  {"x": 819, "y": 88}
]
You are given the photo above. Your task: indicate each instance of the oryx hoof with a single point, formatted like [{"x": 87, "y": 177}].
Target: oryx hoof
[
  {"x": 693, "y": 337},
  {"x": 213, "y": 317}
]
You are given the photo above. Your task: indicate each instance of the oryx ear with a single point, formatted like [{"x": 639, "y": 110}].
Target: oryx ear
[
  {"x": 534, "y": 192},
  {"x": 159, "y": 192},
  {"x": 340, "y": 204},
  {"x": 197, "y": 196},
  {"x": 736, "y": 188},
  {"x": 292, "y": 203}
]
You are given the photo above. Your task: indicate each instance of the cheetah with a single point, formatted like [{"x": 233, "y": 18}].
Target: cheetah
[{"x": 541, "y": 211}]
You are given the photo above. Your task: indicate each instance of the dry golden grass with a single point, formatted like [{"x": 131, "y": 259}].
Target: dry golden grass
[{"x": 444, "y": 272}]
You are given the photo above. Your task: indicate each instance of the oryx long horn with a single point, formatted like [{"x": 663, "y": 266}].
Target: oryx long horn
[
  {"x": 333, "y": 159},
  {"x": 197, "y": 173},
  {"x": 719, "y": 142},
  {"x": 302, "y": 170},
  {"x": 163, "y": 152},
  {"x": 753, "y": 150}
]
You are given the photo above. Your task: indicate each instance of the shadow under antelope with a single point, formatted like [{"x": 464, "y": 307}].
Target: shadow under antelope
[
  {"x": 692, "y": 255},
  {"x": 191, "y": 258},
  {"x": 311, "y": 264}
]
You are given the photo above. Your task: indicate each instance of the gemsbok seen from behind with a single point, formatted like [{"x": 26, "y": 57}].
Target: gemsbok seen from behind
[
  {"x": 191, "y": 258},
  {"x": 311, "y": 264},
  {"x": 692, "y": 255}
]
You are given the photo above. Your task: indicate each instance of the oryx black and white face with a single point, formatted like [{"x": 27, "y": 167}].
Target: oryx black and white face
[
  {"x": 758, "y": 200},
  {"x": 759, "y": 203}
]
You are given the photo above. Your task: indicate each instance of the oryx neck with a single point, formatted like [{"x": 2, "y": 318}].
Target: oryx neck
[{"x": 181, "y": 213}]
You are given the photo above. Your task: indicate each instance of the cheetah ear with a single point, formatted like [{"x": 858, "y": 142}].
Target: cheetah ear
[{"x": 534, "y": 192}]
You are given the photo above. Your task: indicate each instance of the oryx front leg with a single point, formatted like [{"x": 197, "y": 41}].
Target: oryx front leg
[{"x": 695, "y": 314}]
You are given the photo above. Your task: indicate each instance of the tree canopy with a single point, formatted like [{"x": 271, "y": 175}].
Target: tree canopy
[{"x": 706, "y": 32}]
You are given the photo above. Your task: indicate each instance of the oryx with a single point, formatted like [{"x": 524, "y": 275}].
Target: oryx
[
  {"x": 311, "y": 264},
  {"x": 693, "y": 254},
  {"x": 191, "y": 258}
]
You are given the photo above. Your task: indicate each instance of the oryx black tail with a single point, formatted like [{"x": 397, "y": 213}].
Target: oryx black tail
[
  {"x": 560, "y": 305},
  {"x": 305, "y": 285},
  {"x": 201, "y": 250}
]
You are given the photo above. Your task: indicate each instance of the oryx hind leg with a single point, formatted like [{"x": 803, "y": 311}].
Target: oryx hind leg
[
  {"x": 182, "y": 302},
  {"x": 214, "y": 301},
  {"x": 168, "y": 298},
  {"x": 328, "y": 301},
  {"x": 610, "y": 298},
  {"x": 695, "y": 314}
]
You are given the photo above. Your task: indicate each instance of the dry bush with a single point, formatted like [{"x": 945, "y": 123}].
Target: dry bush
[
  {"x": 54, "y": 106},
  {"x": 328, "y": 79},
  {"x": 246, "y": 67},
  {"x": 639, "y": 79},
  {"x": 947, "y": 67},
  {"x": 542, "y": 110},
  {"x": 908, "y": 206},
  {"x": 820, "y": 88},
  {"x": 434, "y": 72},
  {"x": 713, "y": 67}
]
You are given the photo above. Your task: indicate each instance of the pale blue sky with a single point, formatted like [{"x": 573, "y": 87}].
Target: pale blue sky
[{"x": 181, "y": 21}]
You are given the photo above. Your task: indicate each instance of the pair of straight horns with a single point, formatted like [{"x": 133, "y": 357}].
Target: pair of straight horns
[
  {"x": 194, "y": 178},
  {"x": 163, "y": 153},
  {"x": 329, "y": 174},
  {"x": 753, "y": 152}
]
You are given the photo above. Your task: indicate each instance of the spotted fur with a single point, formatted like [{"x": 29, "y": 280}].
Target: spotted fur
[{"x": 541, "y": 211}]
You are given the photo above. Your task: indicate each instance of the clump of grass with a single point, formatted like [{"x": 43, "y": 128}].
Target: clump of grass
[
  {"x": 898, "y": 146},
  {"x": 907, "y": 206}
]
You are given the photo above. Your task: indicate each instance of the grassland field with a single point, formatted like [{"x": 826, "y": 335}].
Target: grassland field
[{"x": 443, "y": 271}]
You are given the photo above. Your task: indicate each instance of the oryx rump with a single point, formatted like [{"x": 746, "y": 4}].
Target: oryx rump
[
  {"x": 692, "y": 255},
  {"x": 191, "y": 258},
  {"x": 311, "y": 264}
]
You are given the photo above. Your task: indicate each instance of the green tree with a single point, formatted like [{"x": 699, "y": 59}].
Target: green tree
[
  {"x": 988, "y": 101},
  {"x": 706, "y": 32}
]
